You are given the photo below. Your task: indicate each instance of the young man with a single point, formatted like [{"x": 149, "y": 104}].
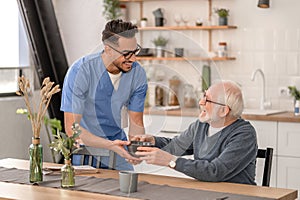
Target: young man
[
  {"x": 224, "y": 145},
  {"x": 101, "y": 89}
]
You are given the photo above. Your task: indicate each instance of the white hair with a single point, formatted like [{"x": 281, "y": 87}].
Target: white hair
[{"x": 233, "y": 97}]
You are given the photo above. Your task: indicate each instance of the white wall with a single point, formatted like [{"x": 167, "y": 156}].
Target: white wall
[{"x": 81, "y": 23}]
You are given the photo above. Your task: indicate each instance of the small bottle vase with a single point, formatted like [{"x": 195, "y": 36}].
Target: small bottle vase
[
  {"x": 36, "y": 161},
  {"x": 67, "y": 175},
  {"x": 297, "y": 107}
]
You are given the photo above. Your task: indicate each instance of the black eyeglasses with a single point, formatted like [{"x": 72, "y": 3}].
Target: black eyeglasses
[
  {"x": 210, "y": 101},
  {"x": 126, "y": 53}
]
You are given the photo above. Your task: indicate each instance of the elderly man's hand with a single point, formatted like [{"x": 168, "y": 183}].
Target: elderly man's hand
[{"x": 153, "y": 155}]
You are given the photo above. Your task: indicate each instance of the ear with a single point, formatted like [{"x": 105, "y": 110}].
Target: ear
[{"x": 224, "y": 111}]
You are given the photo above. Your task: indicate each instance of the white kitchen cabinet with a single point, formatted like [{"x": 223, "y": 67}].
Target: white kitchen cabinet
[
  {"x": 288, "y": 139},
  {"x": 289, "y": 155},
  {"x": 289, "y": 173},
  {"x": 266, "y": 132}
]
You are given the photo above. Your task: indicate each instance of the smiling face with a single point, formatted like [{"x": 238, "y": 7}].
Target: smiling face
[
  {"x": 121, "y": 62},
  {"x": 213, "y": 108},
  {"x": 209, "y": 110}
]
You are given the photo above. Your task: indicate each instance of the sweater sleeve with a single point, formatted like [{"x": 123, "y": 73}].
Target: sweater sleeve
[
  {"x": 237, "y": 151},
  {"x": 179, "y": 145}
]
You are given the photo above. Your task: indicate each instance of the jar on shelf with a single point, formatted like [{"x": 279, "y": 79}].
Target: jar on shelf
[
  {"x": 159, "y": 96},
  {"x": 189, "y": 96},
  {"x": 222, "y": 49},
  {"x": 174, "y": 83}
]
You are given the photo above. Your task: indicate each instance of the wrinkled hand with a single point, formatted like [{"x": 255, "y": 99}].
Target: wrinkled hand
[
  {"x": 144, "y": 138},
  {"x": 118, "y": 147},
  {"x": 153, "y": 155}
]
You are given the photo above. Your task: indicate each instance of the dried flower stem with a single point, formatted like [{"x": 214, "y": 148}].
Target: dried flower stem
[{"x": 47, "y": 90}]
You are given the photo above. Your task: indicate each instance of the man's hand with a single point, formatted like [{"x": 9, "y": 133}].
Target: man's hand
[
  {"x": 134, "y": 162},
  {"x": 118, "y": 147},
  {"x": 153, "y": 155}
]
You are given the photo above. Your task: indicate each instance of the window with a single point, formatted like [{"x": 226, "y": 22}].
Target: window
[{"x": 14, "y": 50}]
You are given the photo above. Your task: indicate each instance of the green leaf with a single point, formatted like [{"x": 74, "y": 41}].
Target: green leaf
[
  {"x": 294, "y": 92},
  {"x": 62, "y": 142}
]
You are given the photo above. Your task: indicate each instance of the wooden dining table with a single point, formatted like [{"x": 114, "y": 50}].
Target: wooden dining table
[{"x": 24, "y": 191}]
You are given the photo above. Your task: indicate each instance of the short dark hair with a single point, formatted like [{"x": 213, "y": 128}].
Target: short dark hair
[{"x": 115, "y": 29}]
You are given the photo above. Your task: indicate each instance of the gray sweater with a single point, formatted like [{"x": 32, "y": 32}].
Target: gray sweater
[{"x": 227, "y": 156}]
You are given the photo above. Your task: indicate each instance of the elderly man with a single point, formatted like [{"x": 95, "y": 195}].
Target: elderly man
[{"x": 223, "y": 144}]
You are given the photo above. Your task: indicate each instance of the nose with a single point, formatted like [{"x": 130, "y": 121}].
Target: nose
[{"x": 202, "y": 102}]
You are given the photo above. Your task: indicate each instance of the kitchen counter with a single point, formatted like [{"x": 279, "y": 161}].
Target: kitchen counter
[{"x": 194, "y": 112}]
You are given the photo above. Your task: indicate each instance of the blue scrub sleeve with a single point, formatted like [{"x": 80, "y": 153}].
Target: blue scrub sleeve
[{"x": 137, "y": 99}]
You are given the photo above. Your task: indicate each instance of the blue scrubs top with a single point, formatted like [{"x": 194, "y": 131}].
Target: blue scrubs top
[{"x": 88, "y": 91}]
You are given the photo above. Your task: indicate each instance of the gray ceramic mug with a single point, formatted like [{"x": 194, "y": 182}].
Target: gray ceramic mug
[
  {"x": 128, "y": 181},
  {"x": 160, "y": 21}
]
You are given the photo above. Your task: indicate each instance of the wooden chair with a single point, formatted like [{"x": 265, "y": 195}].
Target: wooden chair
[
  {"x": 267, "y": 154},
  {"x": 92, "y": 156}
]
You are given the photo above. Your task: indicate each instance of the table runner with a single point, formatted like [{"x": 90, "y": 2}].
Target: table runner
[{"x": 111, "y": 187}]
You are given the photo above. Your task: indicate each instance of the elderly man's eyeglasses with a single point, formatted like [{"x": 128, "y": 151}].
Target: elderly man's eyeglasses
[
  {"x": 126, "y": 53},
  {"x": 210, "y": 101}
]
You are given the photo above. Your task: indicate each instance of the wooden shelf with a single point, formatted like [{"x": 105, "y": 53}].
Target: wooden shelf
[
  {"x": 149, "y": 0},
  {"x": 185, "y": 58},
  {"x": 160, "y": 28},
  {"x": 209, "y": 29}
]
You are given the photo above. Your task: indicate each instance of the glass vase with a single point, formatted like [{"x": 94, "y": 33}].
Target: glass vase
[
  {"x": 36, "y": 161},
  {"x": 67, "y": 175}
]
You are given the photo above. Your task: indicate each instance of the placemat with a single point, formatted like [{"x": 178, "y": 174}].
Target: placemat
[{"x": 111, "y": 186}]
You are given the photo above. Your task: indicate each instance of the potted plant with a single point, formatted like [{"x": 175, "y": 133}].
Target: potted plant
[
  {"x": 223, "y": 16},
  {"x": 144, "y": 22},
  {"x": 112, "y": 9},
  {"x": 65, "y": 145},
  {"x": 296, "y": 94},
  {"x": 160, "y": 42}
]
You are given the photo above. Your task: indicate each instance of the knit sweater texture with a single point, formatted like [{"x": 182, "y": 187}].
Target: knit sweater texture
[{"x": 227, "y": 156}]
